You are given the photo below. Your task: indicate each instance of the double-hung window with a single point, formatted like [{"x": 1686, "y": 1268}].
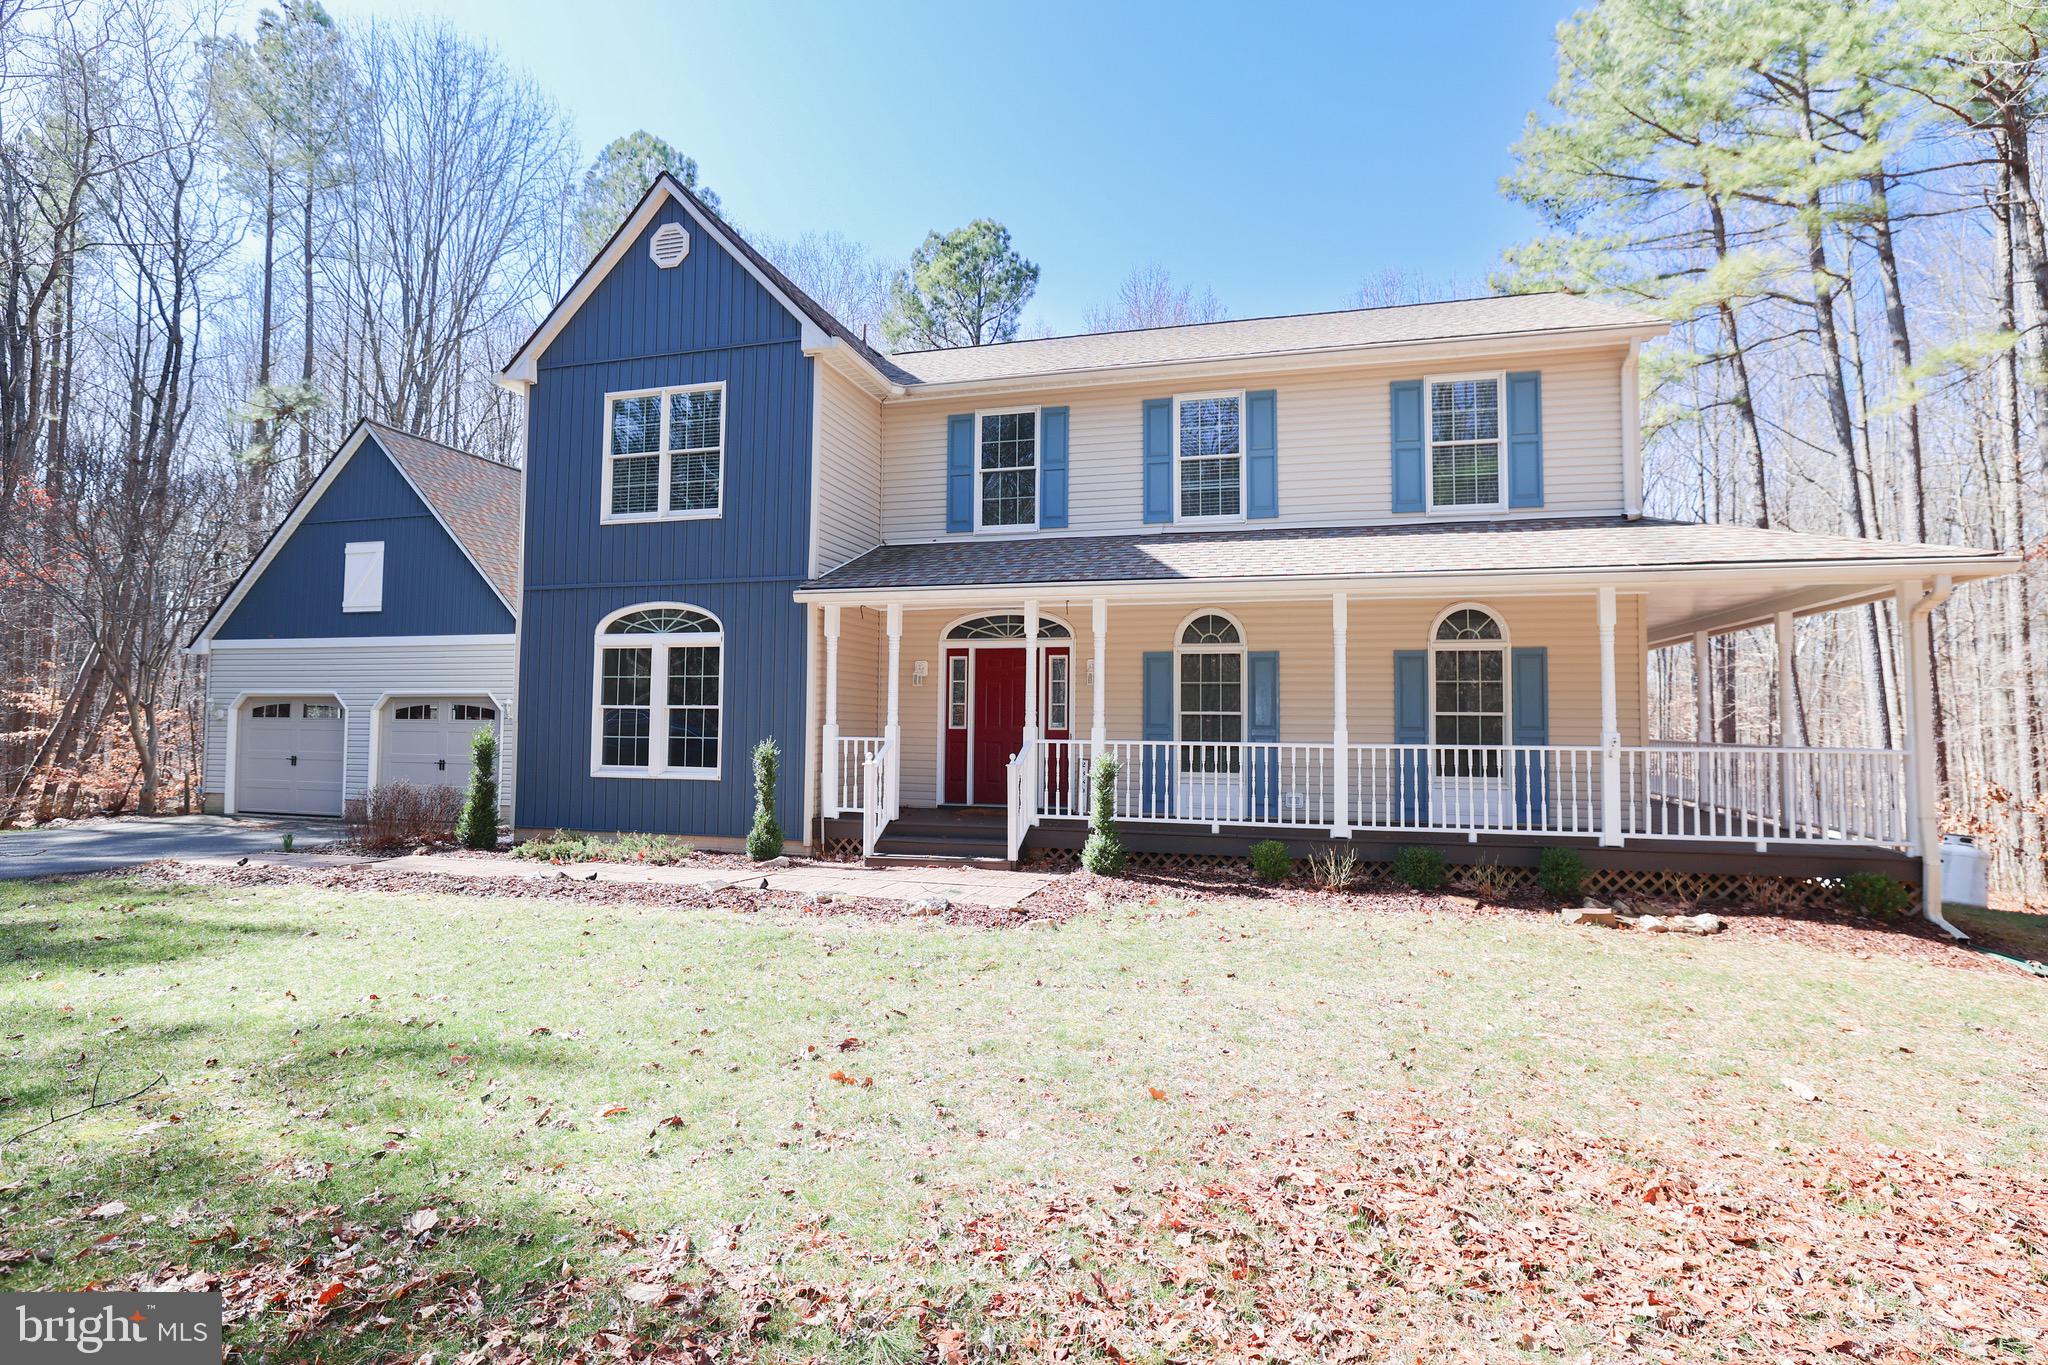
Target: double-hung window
[
  {"x": 1464, "y": 443},
  {"x": 1208, "y": 448},
  {"x": 1006, "y": 469},
  {"x": 665, "y": 453},
  {"x": 660, "y": 676}
]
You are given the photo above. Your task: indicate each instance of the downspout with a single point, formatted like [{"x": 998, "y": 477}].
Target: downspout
[
  {"x": 1631, "y": 434},
  {"x": 1925, "y": 812}
]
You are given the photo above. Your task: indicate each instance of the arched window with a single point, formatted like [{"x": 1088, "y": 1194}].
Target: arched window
[
  {"x": 660, "y": 675},
  {"x": 1209, "y": 711},
  {"x": 1468, "y": 674},
  {"x": 1007, "y": 626}
]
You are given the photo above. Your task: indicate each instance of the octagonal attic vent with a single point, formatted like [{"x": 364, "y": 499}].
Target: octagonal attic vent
[{"x": 669, "y": 245}]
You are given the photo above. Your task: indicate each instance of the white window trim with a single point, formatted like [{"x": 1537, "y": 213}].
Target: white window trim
[
  {"x": 1507, "y": 682},
  {"x": 372, "y": 550},
  {"x": 1243, "y": 473},
  {"x": 606, "y": 516},
  {"x": 1037, "y": 471},
  {"x": 1429, "y": 444},
  {"x": 1244, "y": 674},
  {"x": 657, "y": 693}
]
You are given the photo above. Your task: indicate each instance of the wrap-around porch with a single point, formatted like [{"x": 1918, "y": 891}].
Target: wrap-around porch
[{"x": 1508, "y": 721}]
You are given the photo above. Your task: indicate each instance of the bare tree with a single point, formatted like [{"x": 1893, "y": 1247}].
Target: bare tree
[{"x": 1148, "y": 297}]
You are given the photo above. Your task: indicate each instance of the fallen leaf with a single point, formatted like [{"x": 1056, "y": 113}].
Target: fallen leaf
[
  {"x": 611, "y": 1109},
  {"x": 331, "y": 1293},
  {"x": 113, "y": 1208},
  {"x": 1157, "y": 1093},
  {"x": 422, "y": 1220}
]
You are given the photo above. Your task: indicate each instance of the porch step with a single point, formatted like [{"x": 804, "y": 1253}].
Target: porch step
[
  {"x": 947, "y": 835},
  {"x": 995, "y": 862}
]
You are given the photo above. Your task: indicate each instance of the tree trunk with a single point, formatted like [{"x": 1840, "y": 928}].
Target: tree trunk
[
  {"x": 304, "y": 474},
  {"x": 1738, "y": 364}
]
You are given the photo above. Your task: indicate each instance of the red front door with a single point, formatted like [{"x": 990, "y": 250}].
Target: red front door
[{"x": 998, "y": 722}]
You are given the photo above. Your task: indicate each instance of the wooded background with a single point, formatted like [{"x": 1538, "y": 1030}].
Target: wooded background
[{"x": 217, "y": 252}]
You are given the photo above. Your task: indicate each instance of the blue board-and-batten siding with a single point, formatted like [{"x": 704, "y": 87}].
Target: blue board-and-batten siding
[
  {"x": 430, "y": 586},
  {"x": 642, "y": 327}
]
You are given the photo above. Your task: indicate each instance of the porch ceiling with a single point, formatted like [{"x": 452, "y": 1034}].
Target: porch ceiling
[{"x": 1693, "y": 576}]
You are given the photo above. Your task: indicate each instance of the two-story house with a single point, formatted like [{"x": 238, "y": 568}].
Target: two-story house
[{"x": 1378, "y": 576}]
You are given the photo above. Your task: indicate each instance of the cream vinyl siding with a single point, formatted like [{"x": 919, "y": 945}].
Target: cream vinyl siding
[
  {"x": 1336, "y": 464},
  {"x": 358, "y": 675},
  {"x": 1300, "y": 632},
  {"x": 849, "y": 480}
]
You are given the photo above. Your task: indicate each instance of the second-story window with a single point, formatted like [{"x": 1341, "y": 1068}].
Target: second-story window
[
  {"x": 1008, "y": 469},
  {"x": 1464, "y": 442},
  {"x": 665, "y": 453},
  {"x": 1209, "y": 455}
]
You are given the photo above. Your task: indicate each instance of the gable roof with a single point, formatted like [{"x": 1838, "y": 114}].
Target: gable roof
[
  {"x": 1509, "y": 315},
  {"x": 820, "y": 324},
  {"x": 1535, "y": 545},
  {"x": 475, "y": 498}
]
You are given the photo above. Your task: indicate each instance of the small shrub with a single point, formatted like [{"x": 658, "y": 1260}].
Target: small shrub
[
  {"x": 1486, "y": 878},
  {"x": 1561, "y": 873},
  {"x": 477, "y": 826},
  {"x": 398, "y": 814},
  {"x": 1332, "y": 869},
  {"x": 288, "y": 841},
  {"x": 1423, "y": 869},
  {"x": 563, "y": 846},
  {"x": 764, "y": 840},
  {"x": 1876, "y": 895},
  {"x": 1104, "y": 853},
  {"x": 1271, "y": 861}
]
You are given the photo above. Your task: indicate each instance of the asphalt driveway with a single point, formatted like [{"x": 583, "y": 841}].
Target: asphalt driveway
[{"x": 99, "y": 845}]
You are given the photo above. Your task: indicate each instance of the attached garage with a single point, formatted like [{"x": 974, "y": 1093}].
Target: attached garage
[
  {"x": 425, "y": 740},
  {"x": 371, "y": 636},
  {"x": 288, "y": 755}
]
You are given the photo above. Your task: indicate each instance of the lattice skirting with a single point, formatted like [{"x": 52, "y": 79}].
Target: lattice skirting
[
  {"x": 1777, "y": 894},
  {"x": 839, "y": 850}
]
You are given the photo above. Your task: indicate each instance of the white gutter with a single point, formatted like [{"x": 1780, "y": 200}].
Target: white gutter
[{"x": 1929, "y": 818}]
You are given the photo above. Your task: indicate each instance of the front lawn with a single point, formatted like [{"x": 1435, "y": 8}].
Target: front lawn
[{"x": 391, "y": 1124}]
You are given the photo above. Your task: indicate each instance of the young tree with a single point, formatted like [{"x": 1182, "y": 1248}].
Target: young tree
[
  {"x": 967, "y": 287},
  {"x": 477, "y": 825},
  {"x": 1148, "y": 297},
  {"x": 620, "y": 175},
  {"x": 764, "y": 840}
]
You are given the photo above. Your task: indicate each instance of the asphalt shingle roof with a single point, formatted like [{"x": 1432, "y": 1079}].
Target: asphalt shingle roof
[
  {"x": 476, "y": 496},
  {"x": 1462, "y": 319},
  {"x": 1358, "y": 551}
]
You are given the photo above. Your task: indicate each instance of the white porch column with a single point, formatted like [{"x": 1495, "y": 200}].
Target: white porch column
[
  {"x": 1923, "y": 805},
  {"x": 1098, "y": 681},
  {"x": 1340, "y": 727},
  {"x": 829, "y": 738},
  {"x": 1784, "y": 634},
  {"x": 1610, "y": 728},
  {"x": 1031, "y": 670},
  {"x": 1702, "y": 683},
  {"x": 892, "y": 731}
]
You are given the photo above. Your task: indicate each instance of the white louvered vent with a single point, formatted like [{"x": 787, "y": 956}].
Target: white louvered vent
[{"x": 669, "y": 245}]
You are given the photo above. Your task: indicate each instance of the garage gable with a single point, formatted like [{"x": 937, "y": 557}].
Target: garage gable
[{"x": 365, "y": 556}]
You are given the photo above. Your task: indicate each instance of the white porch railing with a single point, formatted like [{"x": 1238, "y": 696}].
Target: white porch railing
[
  {"x": 854, "y": 752},
  {"x": 1023, "y": 790},
  {"x": 878, "y": 796},
  {"x": 1693, "y": 792}
]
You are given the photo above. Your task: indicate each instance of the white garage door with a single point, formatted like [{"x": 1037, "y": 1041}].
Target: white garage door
[
  {"x": 288, "y": 756},
  {"x": 426, "y": 742}
]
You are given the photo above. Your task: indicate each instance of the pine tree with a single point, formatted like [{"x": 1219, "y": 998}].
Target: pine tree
[{"x": 1104, "y": 853}]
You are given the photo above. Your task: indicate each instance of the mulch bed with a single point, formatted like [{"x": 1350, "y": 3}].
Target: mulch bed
[{"x": 1082, "y": 893}]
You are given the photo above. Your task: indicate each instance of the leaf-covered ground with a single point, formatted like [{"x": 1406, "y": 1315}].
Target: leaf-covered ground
[{"x": 1188, "y": 1125}]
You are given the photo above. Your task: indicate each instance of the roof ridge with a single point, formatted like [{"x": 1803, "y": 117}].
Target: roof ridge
[
  {"x": 388, "y": 428},
  {"x": 1258, "y": 317}
]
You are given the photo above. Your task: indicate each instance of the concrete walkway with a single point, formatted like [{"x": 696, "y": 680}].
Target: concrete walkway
[{"x": 995, "y": 888}]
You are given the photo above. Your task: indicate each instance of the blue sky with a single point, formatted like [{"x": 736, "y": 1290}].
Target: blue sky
[{"x": 1276, "y": 154}]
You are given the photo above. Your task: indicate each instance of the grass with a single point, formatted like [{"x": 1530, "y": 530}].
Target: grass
[
  {"x": 2016, "y": 933},
  {"x": 584, "y": 1079},
  {"x": 564, "y": 846}
]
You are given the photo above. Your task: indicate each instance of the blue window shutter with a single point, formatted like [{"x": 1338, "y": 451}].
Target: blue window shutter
[
  {"x": 1263, "y": 727},
  {"x": 1530, "y": 695},
  {"x": 1262, "y": 455},
  {"x": 1156, "y": 782},
  {"x": 1525, "y": 439},
  {"x": 1411, "y": 726},
  {"x": 960, "y": 472},
  {"x": 1158, "y": 459},
  {"x": 1052, "y": 468},
  {"x": 1404, "y": 400}
]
